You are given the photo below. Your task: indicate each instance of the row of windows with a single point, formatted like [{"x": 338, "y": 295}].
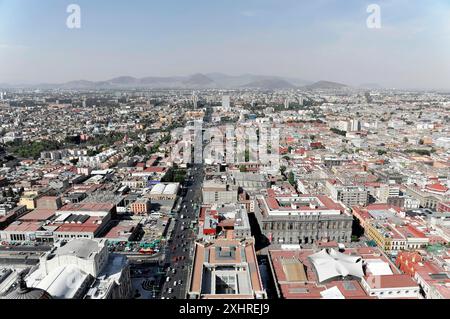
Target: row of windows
[
  {"x": 304, "y": 226},
  {"x": 305, "y": 240},
  {"x": 17, "y": 237},
  {"x": 21, "y": 237},
  {"x": 72, "y": 236},
  {"x": 381, "y": 293}
]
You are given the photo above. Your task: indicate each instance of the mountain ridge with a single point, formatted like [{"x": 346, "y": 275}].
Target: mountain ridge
[
  {"x": 212, "y": 80},
  {"x": 325, "y": 85}
]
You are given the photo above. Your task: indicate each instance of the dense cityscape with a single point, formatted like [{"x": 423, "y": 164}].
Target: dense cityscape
[
  {"x": 321, "y": 191},
  {"x": 208, "y": 159}
]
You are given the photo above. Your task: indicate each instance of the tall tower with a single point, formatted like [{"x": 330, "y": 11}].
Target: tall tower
[
  {"x": 194, "y": 100},
  {"x": 226, "y": 102}
]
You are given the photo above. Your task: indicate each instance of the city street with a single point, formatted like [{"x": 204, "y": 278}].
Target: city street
[{"x": 179, "y": 252}]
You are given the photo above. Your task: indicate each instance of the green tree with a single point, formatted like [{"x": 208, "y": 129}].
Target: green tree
[
  {"x": 339, "y": 132},
  {"x": 291, "y": 178}
]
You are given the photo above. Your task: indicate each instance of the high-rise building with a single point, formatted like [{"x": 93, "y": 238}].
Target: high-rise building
[
  {"x": 355, "y": 125},
  {"x": 194, "y": 100},
  {"x": 226, "y": 102}
]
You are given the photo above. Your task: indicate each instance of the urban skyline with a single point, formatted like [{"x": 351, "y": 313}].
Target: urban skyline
[{"x": 241, "y": 152}]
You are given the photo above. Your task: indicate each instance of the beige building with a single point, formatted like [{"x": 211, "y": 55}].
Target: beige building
[
  {"x": 226, "y": 269},
  {"x": 218, "y": 193}
]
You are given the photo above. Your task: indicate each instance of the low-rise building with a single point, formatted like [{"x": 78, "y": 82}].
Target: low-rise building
[
  {"x": 302, "y": 219},
  {"x": 226, "y": 269},
  {"x": 140, "y": 207},
  {"x": 214, "y": 192},
  {"x": 326, "y": 273}
]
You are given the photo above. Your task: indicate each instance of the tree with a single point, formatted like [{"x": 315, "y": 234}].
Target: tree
[
  {"x": 291, "y": 178},
  {"x": 32, "y": 149},
  {"x": 339, "y": 132}
]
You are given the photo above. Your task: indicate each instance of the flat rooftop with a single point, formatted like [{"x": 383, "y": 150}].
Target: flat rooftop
[{"x": 296, "y": 276}]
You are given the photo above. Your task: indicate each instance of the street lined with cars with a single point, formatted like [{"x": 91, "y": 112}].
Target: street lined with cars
[{"x": 178, "y": 253}]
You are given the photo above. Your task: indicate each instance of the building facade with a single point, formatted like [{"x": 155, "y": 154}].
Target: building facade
[{"x": 303, "y": 220}]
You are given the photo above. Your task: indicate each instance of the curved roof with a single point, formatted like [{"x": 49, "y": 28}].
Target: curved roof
[
  {"x": 30, "y": 293},
  {"x": 171, "y": 189},
  {"x": 335, "y": 264},
  {"x": 25, "y": 292},
  {"x": 157, "y": 189},
  {"x": 64, "y": 281}
]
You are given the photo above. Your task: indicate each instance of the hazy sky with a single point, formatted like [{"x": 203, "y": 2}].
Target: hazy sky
[{"x": 313, "y": 40}]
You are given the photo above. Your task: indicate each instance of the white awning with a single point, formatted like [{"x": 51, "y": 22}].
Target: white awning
[
  {"x": 336, "y": 264},
  {"x": 378, "y": 267}
]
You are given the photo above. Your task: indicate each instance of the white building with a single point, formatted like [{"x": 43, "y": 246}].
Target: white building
[
  {"x": 82, "y": 269},
  {"x": 391, "y": 286}
]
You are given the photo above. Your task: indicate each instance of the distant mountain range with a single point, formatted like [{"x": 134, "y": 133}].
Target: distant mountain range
[
  {"x": 195, "y": 81},
  {"x": 325, "y": 85}
]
